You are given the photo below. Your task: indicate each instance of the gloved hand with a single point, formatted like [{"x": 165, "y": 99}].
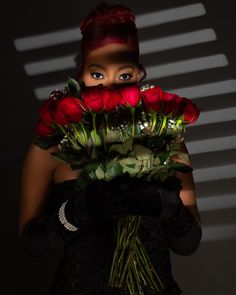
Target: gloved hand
[
  {"x": 46, "y": 233},
  {"x": 131, "y": 196},
  {"x": 125, "y": 195}
]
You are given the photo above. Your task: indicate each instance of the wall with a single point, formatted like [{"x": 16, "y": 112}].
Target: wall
[{"x": 187, "y": 50}]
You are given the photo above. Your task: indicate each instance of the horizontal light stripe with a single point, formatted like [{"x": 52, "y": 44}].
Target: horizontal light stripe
[
  {"x": 142, "y": 21},
  {"x": 154, "y": 45},
  {"x": 216, "y": 203},
  {"x": 187, "y": 66},
  {"x": 50, "y": 65},
  {"x": 170, "y": 15},
  {"x": 177, "y": 41},
  {"x": 214, "y": 173},
  {"x": 216, "y": 116},
  {"x": 47, "y": 39},
  {"x": 219, "y": 233},
  {"x": 211, "y": 145},
  {"x": 208, "y": 89}
]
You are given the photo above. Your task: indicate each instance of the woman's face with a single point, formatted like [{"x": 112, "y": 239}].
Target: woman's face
[{"x": 111, "y": 64}]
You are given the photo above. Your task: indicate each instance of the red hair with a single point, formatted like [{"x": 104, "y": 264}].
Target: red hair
[{"x": 106, "y": 25}]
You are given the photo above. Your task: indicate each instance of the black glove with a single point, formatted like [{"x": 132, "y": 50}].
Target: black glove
[
  {"x": 132, "y": 196},
  {"x": 119, "y": 197},
  {"x": 125, "y": 195},
  {"x": 183, "y": 232},
  {"x": 86, "y": 206},
  {"x": 47, "y": 233}
]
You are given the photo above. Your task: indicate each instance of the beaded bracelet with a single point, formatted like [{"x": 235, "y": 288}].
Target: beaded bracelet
[{"x": 63, "y": 220}]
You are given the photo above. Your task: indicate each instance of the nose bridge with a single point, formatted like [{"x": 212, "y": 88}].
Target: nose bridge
[{"x": 111, "y": 79}]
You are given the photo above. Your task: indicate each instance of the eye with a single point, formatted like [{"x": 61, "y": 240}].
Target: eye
[
  {"x": 96, "y": 75},
  {"x": 126, "y": 76}
]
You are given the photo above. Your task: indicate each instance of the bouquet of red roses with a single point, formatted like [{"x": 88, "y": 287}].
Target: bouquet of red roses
[{"x": 106, "y": 132}]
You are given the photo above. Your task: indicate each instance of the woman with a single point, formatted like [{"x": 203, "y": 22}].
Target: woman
[{"x": 110, "y": 55}]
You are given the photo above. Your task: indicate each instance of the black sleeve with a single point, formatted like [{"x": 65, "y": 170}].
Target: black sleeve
[
  {"x": 183, "y": 232},
  {"x": 45, "y": 233}
]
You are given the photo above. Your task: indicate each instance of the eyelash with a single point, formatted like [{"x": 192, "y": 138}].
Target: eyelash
[
  {"x": 95, "y": 73},
  {"x": 130, "y": 75}
]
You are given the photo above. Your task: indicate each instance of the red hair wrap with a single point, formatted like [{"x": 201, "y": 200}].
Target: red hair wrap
[{"x": 106, "y": 25}]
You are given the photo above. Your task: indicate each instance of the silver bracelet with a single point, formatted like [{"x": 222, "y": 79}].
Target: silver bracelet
[{"x": 63, "y": 220}]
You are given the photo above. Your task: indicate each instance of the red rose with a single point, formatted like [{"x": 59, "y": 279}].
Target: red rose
[
  {"x": 93, "y": 98},
  {"x": 111, "y": 99},
  {"x": 68, "y": 110},
  {"x": 177, "y": 110},
  {"x": 130, "y": 95},
  {"x": 190, "y": 110},
  {"x": 43, "y": 130},
  {"x": 170, "y": 104},
  {"x": 46, "y": 111},
  {"x": 152, "y": 98}
]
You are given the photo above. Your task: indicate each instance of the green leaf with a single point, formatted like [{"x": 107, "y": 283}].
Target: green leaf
[
  {"x": 180, "y": 167},
  {"x": 111, "y": 136},
  {"x": 95, "y": 138},
  {"x": 74, "y": 87},
  {"x": 128, "y": 144},
  {"x": 47, "y": 142},
  {"x": 114, "y": 169},
  {"x": 90, "y": 166},
  {"x": 100, "y": 173},
  {"x": 122, "y": 148},
  {"x": 76, "y": 166},
  {"x": 141, "y": 152},
  {"x": 118, "y": 147},
  {"x": 130, "y": 165},
  {"x": 73, "y": 157},
  {"x": 92, "y": 175},
  {"x": 163, "y": 156},
  {"x": 156, "y": 161}
]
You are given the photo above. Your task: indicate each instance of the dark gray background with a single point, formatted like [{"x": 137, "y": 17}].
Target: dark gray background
[{"x": 211, "y": 270}]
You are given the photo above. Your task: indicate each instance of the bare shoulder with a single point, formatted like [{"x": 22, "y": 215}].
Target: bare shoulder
[
  {"x": 35, "y": 153},
  {"x": 36, "y": 180}
]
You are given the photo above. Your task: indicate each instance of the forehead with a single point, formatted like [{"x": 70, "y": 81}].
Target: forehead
[{"x": 112, "y": 54}]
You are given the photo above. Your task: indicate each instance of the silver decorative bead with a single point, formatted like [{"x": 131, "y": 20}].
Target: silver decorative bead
[{"x": 63, "y": 220}]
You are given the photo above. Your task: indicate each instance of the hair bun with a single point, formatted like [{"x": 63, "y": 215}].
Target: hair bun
[{"x": 109, "y": 14}]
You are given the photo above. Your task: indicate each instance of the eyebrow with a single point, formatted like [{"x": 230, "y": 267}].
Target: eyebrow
[{"x": 104, "y": 68}]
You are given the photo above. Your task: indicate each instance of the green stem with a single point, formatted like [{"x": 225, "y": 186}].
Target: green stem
[
  {"x": 95, "y": 128},
  {"x": 106, "y": 122},
  {"x": 84, "y": 131},
  {"x": 154, "y": 120},
  {"x": 130, "y": 283},
  {"x": 78, "y": 135},
  {"x": 137, "y": 277},
  {"x": 144, "y": 267},
  {"x": 164, "y": 121},
  {"x": 121, "y": 259},
  {"x": 130, "y": 244},
  {"x": 148, "y": 262},
  {"x": 133, "y": 120}
]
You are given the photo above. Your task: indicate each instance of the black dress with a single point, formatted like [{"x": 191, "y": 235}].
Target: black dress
[{"x": 85, "y": 264}]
